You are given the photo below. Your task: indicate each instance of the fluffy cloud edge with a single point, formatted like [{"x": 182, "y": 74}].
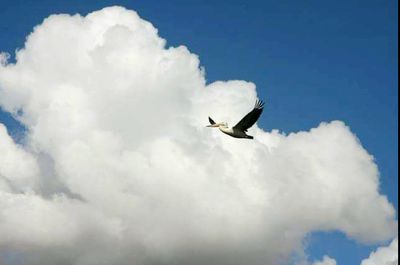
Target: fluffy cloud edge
[{"x": 386, "y": 255}]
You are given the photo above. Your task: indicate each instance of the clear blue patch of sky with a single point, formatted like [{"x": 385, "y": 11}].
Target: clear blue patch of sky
[{"x": 312, "y": 61}]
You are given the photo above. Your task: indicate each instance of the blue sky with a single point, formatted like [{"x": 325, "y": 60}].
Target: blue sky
[{"x": 312, "y": 61}]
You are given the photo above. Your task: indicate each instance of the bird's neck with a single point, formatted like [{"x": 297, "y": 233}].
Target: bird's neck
[{"x": 223, "y": 126}]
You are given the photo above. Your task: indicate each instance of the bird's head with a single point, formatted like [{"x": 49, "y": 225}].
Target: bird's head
[{"x": 216, "y": 125}]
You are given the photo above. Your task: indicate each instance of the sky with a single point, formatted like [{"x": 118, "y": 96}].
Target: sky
[{"x": 311, "y": 62}]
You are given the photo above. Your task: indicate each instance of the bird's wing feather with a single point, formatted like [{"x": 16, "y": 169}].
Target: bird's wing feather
[
  {"x": 247, "y": 121},
  {"x": 211, "y": 121}
]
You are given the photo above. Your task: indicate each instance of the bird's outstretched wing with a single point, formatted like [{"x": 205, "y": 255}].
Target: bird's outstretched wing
[
  {"x": 247, "y": 121},
  {"x": 211, "y": 121}
]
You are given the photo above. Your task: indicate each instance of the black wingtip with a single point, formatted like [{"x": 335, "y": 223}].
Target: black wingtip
[
  {"x": 211, "y": 120},
  {"x": 259, "y": 104}
]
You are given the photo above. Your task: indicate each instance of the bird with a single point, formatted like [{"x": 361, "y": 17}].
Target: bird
[{"x": 240, "y": 129}]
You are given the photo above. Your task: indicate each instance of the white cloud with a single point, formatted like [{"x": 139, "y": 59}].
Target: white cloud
[
  {"x": 118, "y": 167},
  {"x": 16, "y": 176},
  {"x": 325, "y": 261},
  {"x": 384, "y": 255}
]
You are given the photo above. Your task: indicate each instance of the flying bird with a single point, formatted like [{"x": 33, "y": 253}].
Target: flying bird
[{"x": 240, "y": 129}]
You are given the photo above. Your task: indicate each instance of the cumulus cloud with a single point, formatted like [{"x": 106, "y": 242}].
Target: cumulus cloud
[
  {"x": 117, "y": 166},
  {"x": 325, "y": 261},
  {"x": 384, "y": 255},
  {"x": 16, "y": 176}
]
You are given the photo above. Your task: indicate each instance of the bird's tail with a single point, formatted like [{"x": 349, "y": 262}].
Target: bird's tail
[{"x": 249, "y": 137}]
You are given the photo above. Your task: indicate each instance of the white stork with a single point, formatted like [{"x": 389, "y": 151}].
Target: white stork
[{"x": 240, "y": 129}]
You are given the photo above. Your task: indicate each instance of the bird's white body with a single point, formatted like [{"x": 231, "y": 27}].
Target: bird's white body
[{"x": 232, "y": 132}]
